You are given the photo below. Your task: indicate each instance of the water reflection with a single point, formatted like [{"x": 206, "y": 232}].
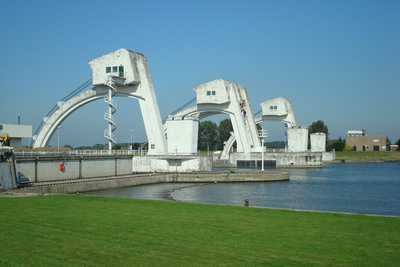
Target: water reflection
[{"x": 371, "y": 188}]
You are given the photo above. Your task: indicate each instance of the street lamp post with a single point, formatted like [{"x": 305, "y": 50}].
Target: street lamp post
[
  {"x": 131, "y": 139},
  {"x": 262, "y": 134},
  {"x": 58, "y": 132}
]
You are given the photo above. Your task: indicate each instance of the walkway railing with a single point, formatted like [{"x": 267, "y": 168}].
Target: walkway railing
[{"x": 80, "y": 153}]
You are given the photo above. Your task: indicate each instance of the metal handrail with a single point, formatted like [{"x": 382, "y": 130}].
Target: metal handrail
[{"x": 80, "y": 153}]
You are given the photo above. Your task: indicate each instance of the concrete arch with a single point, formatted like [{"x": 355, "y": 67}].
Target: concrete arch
[
  {"x": 276, "y": 109},
  {"x": 281, "y": 111},
  {"x": 220, "y": 96},
  {"x": 67, "y": 108},
  {"x": 128, "y": 71}
]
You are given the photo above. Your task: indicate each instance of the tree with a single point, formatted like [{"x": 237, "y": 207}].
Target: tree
[
  {"x": 208, "y": 135},
  {"x": 224, "y": 129},
  {"x": 318, "y": 127},
  {"x": 275, "y": 144},
  {"x": 388, "y": 144},
  {"x": 98, "y": 147},
  {"x": 337, "y": 145},
  {"x": 135, "y": 146},
  {"x": 68, "y": 146},
  {"x": 397, "y": 143}
]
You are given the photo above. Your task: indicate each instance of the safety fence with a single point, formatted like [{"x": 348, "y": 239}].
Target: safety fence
[{"x": 80, "y": 153}]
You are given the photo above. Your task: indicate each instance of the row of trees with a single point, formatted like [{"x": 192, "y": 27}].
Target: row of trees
[
  {"x": 118, "y": 146},
  {"x": 212, "y": 136}
]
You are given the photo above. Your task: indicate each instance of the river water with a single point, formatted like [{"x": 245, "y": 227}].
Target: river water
[{"x": 367, "y": 188}]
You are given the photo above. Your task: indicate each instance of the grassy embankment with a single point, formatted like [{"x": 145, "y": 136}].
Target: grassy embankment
[
  {"x": 368, "y": 155},
  {"x": 72, "y": 230}
]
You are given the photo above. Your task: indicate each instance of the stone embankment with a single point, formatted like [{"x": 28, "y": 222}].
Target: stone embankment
[
  {"x": 252, "y": 176},
  {"x": 364, "y": 160},
  {"x": 105, "y": 183}
]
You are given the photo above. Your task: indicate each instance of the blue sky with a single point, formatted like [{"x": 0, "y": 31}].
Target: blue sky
[{"x": 336, "y": 61}]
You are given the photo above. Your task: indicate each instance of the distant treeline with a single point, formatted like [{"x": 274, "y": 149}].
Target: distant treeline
[
  {"x": 136, "y": 146},
  {"x": 275, "y": 144}
]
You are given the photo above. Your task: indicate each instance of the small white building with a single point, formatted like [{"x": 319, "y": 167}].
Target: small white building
[
  {"x": 16, "y": 133},
  {"x": 121, "y": 65},
  {"x": 278, "y": 109}
]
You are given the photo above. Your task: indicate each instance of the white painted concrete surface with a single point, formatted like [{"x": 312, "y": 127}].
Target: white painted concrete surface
[
  {"x": 172, "y": 163},
  {"x": 182, "y": 136},
  {"x": 318, "y": 142},
  {"x": 277, "y": 109},
  {"x": 297, "y": 138}
]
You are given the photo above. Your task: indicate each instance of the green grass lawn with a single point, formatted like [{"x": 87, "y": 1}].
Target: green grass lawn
[
  {"x": 76, "y": 230},
  {"x": 368, "y": 155}
]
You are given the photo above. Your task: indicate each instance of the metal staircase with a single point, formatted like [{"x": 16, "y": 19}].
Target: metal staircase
[{"x": 112, "y": 108}]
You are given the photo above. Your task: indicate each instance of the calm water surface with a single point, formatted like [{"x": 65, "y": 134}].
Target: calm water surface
[{"x": 369, "y": 188}]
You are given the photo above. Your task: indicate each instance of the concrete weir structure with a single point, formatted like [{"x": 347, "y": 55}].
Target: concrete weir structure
[
  {"x": 127, "y": 74},
  {"x": 172, "y": 146}
]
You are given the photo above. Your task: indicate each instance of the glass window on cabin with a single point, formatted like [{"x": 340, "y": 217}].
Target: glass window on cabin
[
  {"x": 208, "y": 92},
  {"x": 121, "y": 71},
  {"x": 108, "y": 69},
  {"x": 271, "y": 107},
  {"x": 275, "y": 107},
  {"x": 213, "y": 92},
  {"x": 115, "y": 69}
]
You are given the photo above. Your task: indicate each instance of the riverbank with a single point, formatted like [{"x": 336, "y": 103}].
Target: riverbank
[
  {"x": 368, "y": 156},
  {"x": 76, "y": 230}
]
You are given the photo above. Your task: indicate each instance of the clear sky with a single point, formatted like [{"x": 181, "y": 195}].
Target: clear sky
[{"x": 336, "y": 61}]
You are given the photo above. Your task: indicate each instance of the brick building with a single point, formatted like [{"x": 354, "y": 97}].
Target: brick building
[{"x": 361, "y": 142}]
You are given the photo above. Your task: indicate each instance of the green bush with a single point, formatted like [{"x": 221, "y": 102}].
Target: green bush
[
  {"x": 337, "y": 145},
  {"x": 347, "y": 148}
]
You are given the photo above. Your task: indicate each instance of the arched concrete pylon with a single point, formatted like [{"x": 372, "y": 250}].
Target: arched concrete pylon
[
  {"x": 67, "y": 108},
  {"x": 133, "y": 80},
  {"x": 221, "y": 96},
  {"x": 276, "y": 109}
]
